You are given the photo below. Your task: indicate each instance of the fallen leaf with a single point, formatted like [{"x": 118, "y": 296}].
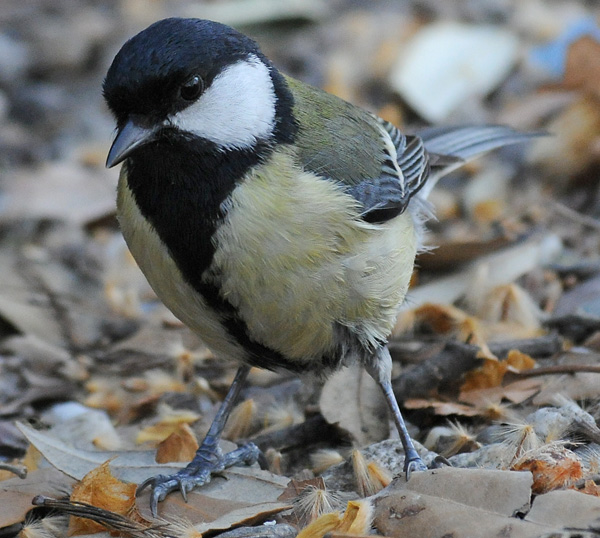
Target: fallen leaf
[
  {"x": 78, "y": 194},
  {"x": 243, "y": 495},
  {"x": 492, "y": 372},
  {"x": 169, "y": 421},
  {"x": 500, "y": 492},
  {"x": 448, "y": 319},
  {"x": 352, "y": 399},
  {"x": 181, "y": 445},
  {"x": 572, "y": 148},
  {"x": 131, "y": 466},
  {"x": 582, "y": 71},
  {"x": 509, "y": 303},
  {"x": 516, "y": 392},
  {"x": 553, "y": 466},
  {"x": 247, "y": 495},
  {"x": 565, "y": 508},
  {"x": 296, "y": 487},
  {"x": 442, "y": 408},
  {"x": 456, "y": 502},
  {"x": 101, "y": 489}
]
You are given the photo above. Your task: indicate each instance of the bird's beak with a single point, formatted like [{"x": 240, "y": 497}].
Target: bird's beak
[{"x": 130, "y": 137}]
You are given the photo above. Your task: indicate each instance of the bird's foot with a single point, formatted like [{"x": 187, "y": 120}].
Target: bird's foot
[
  {"x": 208, "y": 461},
  {"x": 412, "y": 463}
]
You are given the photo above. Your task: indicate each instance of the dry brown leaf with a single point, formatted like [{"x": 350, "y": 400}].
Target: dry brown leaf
[
  {"x": 553, "y": 466},
  {"x": 477, "y": 503},
  {"x": 169, "y": 422},
  {"x": 573, "y": 146},
  {"x": 491, "y": 373},
  {"x": 448, "y": 319},
  {"x": 440, "y": 317},
  {"x": 19, "y": 307},
  {"x": 516, "y": 392},
  {"x": 488, "y": 211},
  {"x": 101, "y": 489},
  {"x": 181, "y": 445},
  {"x": 518, "y": 360},
  {"x": 105, "y": 394},
  {"x": 132, "y": 466},
  {"x": 582, "y": 71},
  {"x": 442, "y": 408},
  {"x": 247, "y": 495},
  {"x": 352, "y": 399},
  {"x": 242, "y": 495},
  {"x": 76, "y": 193},
  {"x": 564, "y": 509}
]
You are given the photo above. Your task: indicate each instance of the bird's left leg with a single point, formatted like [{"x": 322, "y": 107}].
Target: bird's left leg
[
  {"x": 209, "y": 459},
  {"x": 379, "y": 366}
]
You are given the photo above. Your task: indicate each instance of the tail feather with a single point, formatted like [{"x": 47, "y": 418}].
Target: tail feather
[{"x": 451, "y": 147}]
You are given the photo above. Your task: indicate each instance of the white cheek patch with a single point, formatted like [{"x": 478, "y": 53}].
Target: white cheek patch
[{"x": 237, "y": 109}]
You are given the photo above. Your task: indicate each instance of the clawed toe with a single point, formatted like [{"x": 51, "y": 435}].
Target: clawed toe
[
  {"x": 413, "y": 465},
  {"x": 207, "y": 463}
]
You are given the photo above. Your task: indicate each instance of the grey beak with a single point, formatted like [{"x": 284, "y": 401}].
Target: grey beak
[{"x": 130, "y": 137}]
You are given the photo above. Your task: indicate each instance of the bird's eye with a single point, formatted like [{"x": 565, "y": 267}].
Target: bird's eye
[{"x": 192, "y": 88}]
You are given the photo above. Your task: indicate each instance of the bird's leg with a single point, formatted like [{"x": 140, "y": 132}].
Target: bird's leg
[
  {"x": 379, "y": 367},
  {"x": 209, "y": 459}
]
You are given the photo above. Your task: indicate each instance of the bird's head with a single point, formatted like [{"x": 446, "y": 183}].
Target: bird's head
[{"x": 193, "y": 79}]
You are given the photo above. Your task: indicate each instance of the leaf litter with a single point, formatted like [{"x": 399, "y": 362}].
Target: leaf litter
[{"x": 495, "y": 351}]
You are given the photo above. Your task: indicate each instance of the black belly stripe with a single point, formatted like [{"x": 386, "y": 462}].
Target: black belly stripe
[{"x": 179, "y": 189}]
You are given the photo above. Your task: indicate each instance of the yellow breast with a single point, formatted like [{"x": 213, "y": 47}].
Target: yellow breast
[{"x": 297, "y": 262}]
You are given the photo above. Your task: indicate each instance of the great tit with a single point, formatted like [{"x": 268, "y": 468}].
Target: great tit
[{"x": 277, "y": 221}]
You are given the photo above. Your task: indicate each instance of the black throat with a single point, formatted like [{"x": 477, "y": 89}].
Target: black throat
[{"x": 180, "y": 185}]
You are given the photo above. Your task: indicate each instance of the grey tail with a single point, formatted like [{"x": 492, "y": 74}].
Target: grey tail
[{"x": 452, "y": 147}]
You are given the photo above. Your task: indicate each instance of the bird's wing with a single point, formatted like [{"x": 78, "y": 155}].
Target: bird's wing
[{"x": 373, "y": 161}]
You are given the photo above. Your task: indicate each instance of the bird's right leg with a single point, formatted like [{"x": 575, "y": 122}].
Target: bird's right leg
[{"x": 209, "y": 459}]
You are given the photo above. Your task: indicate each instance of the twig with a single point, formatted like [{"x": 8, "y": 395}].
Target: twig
[
  {"x": 444, "y": 372},
  {"x": 19, "y": 470},
  {"x": 575, "y": 216},
  {"x": 556, "y": 369},
  {"x": 537, "y": 348}
]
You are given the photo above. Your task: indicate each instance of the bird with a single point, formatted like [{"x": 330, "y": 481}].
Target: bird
[{"x": 277, "y": 221}]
